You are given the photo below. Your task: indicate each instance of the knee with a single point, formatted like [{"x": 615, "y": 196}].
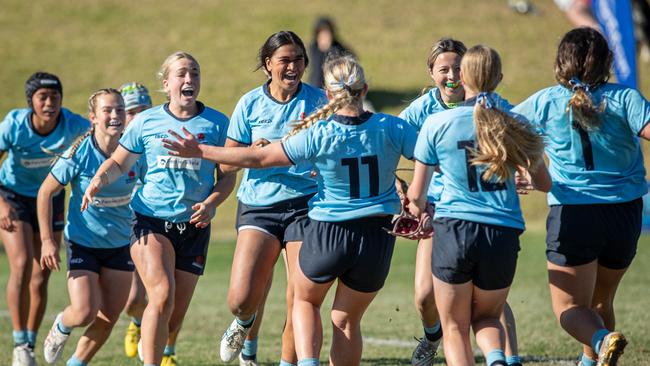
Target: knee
[
  {"x": 21, "y": 268},
  {"x": 424, "y": 301},
  {"x": 344, "y": 321},
  {"x": 241, "y": 304},
  {"x": 84, "y": 315},
  {"x": 161, "y": 298}
]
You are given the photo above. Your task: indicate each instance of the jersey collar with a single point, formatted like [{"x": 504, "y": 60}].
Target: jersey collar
[{"x": 346, "y": 120}]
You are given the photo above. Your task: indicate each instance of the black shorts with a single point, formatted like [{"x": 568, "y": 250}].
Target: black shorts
[
  {"x": 93, "y": 259},
  {"x": 580, "y": 234},
  {"x": 358, "y": 252},
  {"x": 190, "y": 243},
  {"x": 285, "y": 220},
  {"x": 25, "y": 208},
  {"x": 470, "y": 251}
]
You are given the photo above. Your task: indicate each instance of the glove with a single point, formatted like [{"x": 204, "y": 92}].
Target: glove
[{"x": 406, "y": 224}]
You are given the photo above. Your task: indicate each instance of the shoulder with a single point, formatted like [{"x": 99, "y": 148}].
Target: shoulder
[
  {"x": 214, "y": 115},
  {"x": 18, "y": 116},
  {"x": 312, "y": 92},
  {"x": 252, "y": 97}
]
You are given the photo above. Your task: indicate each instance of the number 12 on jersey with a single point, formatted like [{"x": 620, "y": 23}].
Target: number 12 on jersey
[
  {"x": 373, "y": 174},
  {"x": 472, "y": 174}
]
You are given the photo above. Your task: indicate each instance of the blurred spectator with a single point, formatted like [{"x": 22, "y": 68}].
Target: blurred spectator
[{"x": 324, "y": 42}]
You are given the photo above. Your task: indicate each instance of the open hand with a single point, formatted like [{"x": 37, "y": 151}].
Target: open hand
[
  {"x": 202, "y": 215},
  {"x": 186, "y": 147},
  {"x": 7, "y": 218},
  {"x": 50, "y": 255}
]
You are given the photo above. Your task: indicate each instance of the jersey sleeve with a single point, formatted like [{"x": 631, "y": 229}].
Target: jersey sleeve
[
  {"x": 131, "y": 140},
  {"x": 239, "y": 130},
  {"x": 527, "y": 111},
  {"x": 637, "y": 110},
  {"x": 64, "y": 170},
  {"x": 405, "y": 135},
  {"x": 6, "y": 133},
  {"x": 425, "y": 149},
  {"x": 81, "y": 125},
  {"x": 299, "y": 147}
]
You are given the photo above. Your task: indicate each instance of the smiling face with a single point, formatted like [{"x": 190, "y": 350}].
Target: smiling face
[
  {"x": 286, "y": 67},
  {"x": 131, "y": 113},
  {"x": 445, "y": 73},
  {"x": 109, "y": 116},
  {"x": 46, "y": 104},
  {"x": 183, "y": 83}
]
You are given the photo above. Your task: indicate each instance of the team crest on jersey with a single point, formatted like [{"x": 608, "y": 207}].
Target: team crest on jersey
[
  {"x": 302, "y": 115},
  {"x": 130, "y": 177}
]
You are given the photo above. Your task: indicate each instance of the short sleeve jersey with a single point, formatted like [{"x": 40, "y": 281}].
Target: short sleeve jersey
[
  {"x": 446, "y": 140},
  {"x": 172, "y": 185},
  {"x": 30, "y": 154},
  {"x": 603, "y": 165},
  {"x": 431, "y": 103},
  {"x": 258, "y": 115},
  {"x": 355, "y": 158},
  {"x": 107, "y": 221}
]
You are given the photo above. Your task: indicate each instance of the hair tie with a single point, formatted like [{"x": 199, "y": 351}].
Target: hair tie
[
  {"x": 576, "y": 84},
  {"x": 483, "y": 99}
]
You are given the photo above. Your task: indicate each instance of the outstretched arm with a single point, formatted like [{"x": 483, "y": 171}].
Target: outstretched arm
[
  {"x": 417, "y": 193},
  {"x": 49, "y": 246},
  {"x": 119, "y": 163},
  {"x": 243, "y": 157}
]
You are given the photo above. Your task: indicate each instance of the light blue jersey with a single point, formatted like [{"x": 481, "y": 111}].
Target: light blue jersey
[
  {"x": 355, "y": 159},
  {"x": 587, "y": 167},
  {"x": 446, "y": 140},
  {"x": 258, "y": 115},
  {"x": 107, "y": 221},
  {"x": 172, "y": 185},
  {"x": 422, "y": 108},
  {"x": 27, "y": 164}
]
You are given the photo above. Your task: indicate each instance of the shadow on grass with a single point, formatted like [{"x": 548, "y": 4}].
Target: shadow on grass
[
  {"x": 382, "y": 99},
  {"x": 479, "y": 360}
]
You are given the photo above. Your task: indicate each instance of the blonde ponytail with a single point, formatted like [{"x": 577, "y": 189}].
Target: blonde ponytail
[{"x": 345, "y": 80}]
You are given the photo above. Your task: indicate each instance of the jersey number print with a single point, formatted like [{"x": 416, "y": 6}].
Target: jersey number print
[
  {"x": 472, "y": 174},
  {"x": 373, "y": 174}
]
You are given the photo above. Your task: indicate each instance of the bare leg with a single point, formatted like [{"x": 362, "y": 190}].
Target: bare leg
[
  {"x": 113, "y": 297},
  {"x": 20, "y": 253},
  {"x": 507, "y": 320},
  {"x": 454, "y": 304},
  {"x": 347, "y": 310},
  {"x": 38, "y": 286},
  {"x": 572, "y": 290},
  {"x": 307, "y": 324},
  {"x": 155, "y": 260},
  {"x": 425, "y": 303},
  {"x": 291, "y": 263},
  {"x": 255, "y": 255},
  {"x": 607, "y": 281}
]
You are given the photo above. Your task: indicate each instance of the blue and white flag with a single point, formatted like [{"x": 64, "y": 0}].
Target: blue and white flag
[{"x": 615, "y": 20}]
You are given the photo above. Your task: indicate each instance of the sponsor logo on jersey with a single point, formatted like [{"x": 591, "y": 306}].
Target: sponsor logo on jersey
[
  {"x": 112, "y": 201},
  {"x": 261, "y": 122},
  {"x": 174, "y": 162},
  {"x": 36, "y": 163}
]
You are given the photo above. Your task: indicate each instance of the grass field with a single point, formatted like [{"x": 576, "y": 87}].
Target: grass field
[
  {"x": 389, "y": 324},
  {"x": 98, "y": 43}
]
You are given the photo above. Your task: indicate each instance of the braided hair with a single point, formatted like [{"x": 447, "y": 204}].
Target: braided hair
[{"x": 345, "y": 80}]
